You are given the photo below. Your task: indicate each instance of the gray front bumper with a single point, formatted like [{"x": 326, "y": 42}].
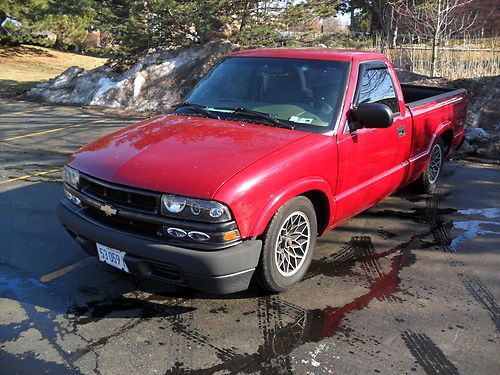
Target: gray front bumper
[{"x": 221, "y": 271}]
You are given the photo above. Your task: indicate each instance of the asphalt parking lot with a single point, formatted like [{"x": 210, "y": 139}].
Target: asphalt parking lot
[{"x": 408, "y": 287}]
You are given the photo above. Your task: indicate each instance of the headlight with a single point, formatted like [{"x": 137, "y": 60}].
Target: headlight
[
  {"x": 71, "y": 176},
  {"x": 194, "y": 209},
  {"x": 173, "y": 204}
]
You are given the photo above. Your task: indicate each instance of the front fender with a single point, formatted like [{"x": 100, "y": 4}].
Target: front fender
[{"x": 296, "y": 188}]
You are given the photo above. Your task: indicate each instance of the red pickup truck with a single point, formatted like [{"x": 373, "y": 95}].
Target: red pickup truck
[{"x": 271, "y": 149}]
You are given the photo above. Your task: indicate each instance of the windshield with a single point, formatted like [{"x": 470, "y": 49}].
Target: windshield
[{"x": 305, "y": 93}]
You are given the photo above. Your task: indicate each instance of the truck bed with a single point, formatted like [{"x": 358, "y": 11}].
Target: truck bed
[
  {"x": 433, "y": 108},
  {"x": 415, "y": 95}
]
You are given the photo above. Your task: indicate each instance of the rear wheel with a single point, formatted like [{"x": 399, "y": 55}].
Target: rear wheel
[
  {"x": 428, "y": 180},
  {"x": 289, "y": 243}
]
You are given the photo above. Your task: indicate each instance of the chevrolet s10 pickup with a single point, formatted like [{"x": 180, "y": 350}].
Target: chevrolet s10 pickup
[{"x": 271, "y": 149}]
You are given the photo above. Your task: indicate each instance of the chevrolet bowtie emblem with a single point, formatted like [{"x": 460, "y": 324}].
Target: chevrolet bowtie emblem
[{"x": 108, "y": 210}]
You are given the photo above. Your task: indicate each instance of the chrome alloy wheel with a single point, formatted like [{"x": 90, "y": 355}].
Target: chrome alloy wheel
[
  {"x": 292, "y": 244},
  {"x": 435, "y": 163}
]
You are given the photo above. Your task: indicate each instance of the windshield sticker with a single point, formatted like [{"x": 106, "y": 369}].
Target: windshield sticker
[{"x": 301, "y": 120}]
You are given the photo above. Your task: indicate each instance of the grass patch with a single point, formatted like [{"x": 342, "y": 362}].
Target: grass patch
[{"x": 25, "y": 65}]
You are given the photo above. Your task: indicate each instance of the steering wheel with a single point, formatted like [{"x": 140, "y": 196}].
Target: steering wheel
[{"x": 321, "y": 103}]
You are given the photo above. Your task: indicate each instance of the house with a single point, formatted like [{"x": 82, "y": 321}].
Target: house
[{"x": 9, "y": 22}]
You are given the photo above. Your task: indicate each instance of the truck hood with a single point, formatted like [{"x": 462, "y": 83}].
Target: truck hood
[{"x": 184, "y": 155}]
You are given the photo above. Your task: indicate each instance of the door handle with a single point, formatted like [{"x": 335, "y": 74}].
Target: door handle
[{"x": 401, "y": 131}]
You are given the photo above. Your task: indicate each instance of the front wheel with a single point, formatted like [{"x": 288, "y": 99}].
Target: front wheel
[
  {"x": 427, "y": 182},
  {"x": 289, "y": 243}
]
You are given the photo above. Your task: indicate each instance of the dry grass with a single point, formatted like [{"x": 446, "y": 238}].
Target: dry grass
[
  {"x": 24, "y": 65},
  {"x": 453, "y": 63}
]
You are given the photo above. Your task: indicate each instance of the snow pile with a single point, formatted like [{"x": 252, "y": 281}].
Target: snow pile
[{"x": 153, "y": 83}]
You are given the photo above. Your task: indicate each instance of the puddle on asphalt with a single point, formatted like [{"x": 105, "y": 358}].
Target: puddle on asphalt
[
  {"x": 273, "y": 354},
  {"x": 30, "y": 364}
]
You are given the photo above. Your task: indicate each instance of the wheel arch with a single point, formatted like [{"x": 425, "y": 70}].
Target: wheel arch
[
  {"x": 316, "y": 189},
  {"x": 445, "y": 132},
  {"x": 447, "y": 137},
  {"x": 322, "y": 208}
]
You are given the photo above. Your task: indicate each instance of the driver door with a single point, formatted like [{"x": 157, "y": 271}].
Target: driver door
[{"x": 373, "y": 162}]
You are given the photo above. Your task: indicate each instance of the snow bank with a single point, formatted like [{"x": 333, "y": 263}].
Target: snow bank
[{"x": 153, "y": 83}]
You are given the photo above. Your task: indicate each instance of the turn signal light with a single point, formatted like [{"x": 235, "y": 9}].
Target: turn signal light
[{"x": 232, "y": 235}]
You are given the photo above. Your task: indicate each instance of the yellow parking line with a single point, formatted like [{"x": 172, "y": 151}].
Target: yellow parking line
[
  {"x": 58, "y": 273},
  {"x": 52, "y": 130},
  {"x": 14, "y": 113},
  {"x": 28, "y": 176},
  {"x": 39, "y": 133}
]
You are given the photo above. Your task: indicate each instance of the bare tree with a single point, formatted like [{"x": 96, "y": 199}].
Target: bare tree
[
  {"x": 434, "y": 19},
  {"x": 383, "y": 22}
]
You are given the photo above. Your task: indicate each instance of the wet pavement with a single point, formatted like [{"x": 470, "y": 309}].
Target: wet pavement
[{"x": 410, "y": 286}]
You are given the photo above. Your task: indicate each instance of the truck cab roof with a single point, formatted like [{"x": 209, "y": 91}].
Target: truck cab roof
[{"x": 313, "y": 53}]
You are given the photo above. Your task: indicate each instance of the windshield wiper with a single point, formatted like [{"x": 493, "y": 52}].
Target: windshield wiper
[
  {"x": 201, "y": 109},
  {"x": 259, "y": 115}
]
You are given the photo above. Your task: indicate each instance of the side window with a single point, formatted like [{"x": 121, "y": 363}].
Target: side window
[{"x": 377, "y": 87}]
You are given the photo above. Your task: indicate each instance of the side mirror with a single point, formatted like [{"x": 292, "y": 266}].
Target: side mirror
[{"x": 373, "y": 115}]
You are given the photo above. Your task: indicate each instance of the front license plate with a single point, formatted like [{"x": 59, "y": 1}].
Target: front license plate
[{"x": 112, "y": 257}]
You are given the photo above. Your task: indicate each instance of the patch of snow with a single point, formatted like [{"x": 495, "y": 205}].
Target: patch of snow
[
  {"x": 319, "y": 349},
  {"x": 490, "y": 213},
  {"x": 164, "y": 68},
  {"x": 477, "y": 134},
  {"x": 472, "y": 228},
  {"x": 312, "y": 361},
  {"x": 65, "y": 77},
  {"x": 138, "y": 83},
  {"x": 104, "y": 85}
]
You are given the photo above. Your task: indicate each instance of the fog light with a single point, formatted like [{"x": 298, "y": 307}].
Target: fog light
[
  {"x": 232, "y": 235},
  {"x": 75, "y": 200},
  {"x": 176, "y": 232},
  {"x": 198, "y": 236},
  {"x": 68, "y": 195}
]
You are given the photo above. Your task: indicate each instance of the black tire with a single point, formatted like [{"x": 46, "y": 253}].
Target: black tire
[
  {"x": 428, "y": 181},
  {"x": 272, "y": 274}
]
